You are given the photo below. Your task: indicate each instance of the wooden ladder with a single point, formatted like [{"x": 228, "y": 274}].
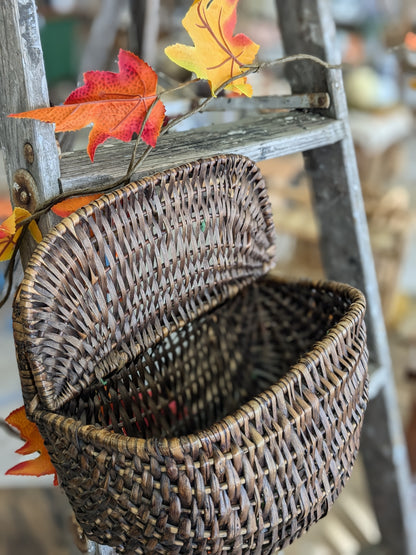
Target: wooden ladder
[{"x": 36, "y": 173}]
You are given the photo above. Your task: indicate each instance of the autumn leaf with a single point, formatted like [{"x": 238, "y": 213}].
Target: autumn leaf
[
  {"x": 117, "y": 104},
  {"x": 69, "y": 205},
  {"x": 10, "y": 232},
  {"x": 217, "y": 55},
  {"x": 34, "y": 443}
]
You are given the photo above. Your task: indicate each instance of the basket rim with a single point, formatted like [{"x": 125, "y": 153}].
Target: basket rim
[
  {"x": 142, "y": 182},
  {"x": 248, "y": 411}
]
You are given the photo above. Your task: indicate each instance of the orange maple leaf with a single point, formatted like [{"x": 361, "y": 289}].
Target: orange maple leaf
[
  {"x": 217, "y": 55},
  {"x": 10, "y": 232},
  {"x": 117, "y": 104},
  {"x": 34, "y": 443},
  {"x": 69, "y": 205}
]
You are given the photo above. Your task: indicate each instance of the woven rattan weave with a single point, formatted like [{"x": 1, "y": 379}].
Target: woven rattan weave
[
  {"x": 189, "y": 406},
  {"x": 129, "y": 268}
]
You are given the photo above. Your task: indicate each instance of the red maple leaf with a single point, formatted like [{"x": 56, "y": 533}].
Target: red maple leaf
[
  {"x": 34, "y": 443},
  {"x": 117, "y": 104}
]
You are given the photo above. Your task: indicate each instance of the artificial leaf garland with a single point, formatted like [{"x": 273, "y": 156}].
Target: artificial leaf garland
[
  {"x": 124, "y": 103},
  {"x": 217, "y": 55}
]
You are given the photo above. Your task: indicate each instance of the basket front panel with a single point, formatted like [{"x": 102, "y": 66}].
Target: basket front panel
[{"x": 258, "y": 478}]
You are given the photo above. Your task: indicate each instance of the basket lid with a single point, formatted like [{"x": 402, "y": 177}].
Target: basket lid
[{"x": 116, "y": 276}]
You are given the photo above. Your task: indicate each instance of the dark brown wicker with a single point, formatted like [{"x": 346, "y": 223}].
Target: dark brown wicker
[
  {"x": 124, "y": 271},
  {"x": 189, "y": 419}
]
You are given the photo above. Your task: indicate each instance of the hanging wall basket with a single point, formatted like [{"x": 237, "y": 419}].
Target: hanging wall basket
[{"x": 189, "y": 404}]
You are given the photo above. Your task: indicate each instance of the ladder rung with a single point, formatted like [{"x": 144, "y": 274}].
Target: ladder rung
[
  {"x": 258, "y": 137},
  {"x": 271, "y": 102}
]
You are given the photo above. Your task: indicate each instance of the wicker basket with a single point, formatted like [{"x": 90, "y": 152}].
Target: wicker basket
[{"x": 189, "y": 405}]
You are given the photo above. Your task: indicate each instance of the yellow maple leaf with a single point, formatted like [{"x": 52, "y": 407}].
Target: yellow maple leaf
[
  {"x": 34, "y": 443},
  {"x": 10, "y": 232},
  {"x": 217, "y": 55}
]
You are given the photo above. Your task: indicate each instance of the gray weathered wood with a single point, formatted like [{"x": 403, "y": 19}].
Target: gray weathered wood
[
  {"x": 252, "y": 105},
  {"x": 258, "y": 137},
  {"x": 102, "y": 36},
  {"x": 23, "y": 87},
  {"x": 281, "y": 102},
  {"x": 144, "y": 30},
  {"x": 308, "y": 27}
]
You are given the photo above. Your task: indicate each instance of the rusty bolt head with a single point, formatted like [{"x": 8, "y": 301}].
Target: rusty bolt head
[
  {"x": 24, "y": 196},
  {"x": 29, "y": 153},
  {"x": 24, "y": 190}
]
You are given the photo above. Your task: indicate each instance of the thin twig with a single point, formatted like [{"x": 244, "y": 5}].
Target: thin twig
[
  {"x": 167, "y": 128},
  {"x": 293, "y": 58},
  {"x": 249, "y": 69},
  {"x": 133, "y": 154},
  {"x": 133, "y": 164},
  {"x": 139, "y": 135},
  {"x": 180, "y": 86}
]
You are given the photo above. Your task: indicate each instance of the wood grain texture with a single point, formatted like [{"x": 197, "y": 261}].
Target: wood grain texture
[
  {"x": 23, "y": 87},
  {"x": 275, "y": 102},
  {"x": 258, "y": 137}
]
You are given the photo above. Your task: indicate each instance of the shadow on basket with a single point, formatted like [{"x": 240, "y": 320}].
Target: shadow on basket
[{"x": 189, "y": 404}]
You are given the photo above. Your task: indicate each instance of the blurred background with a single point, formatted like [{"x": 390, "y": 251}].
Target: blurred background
[{"x": 377, "y": 39}]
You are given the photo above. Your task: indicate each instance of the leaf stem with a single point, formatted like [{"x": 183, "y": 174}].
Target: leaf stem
[
  {"x": 139, "y": 135},
  {"x": 287, "y": 59},
  {"x": 180, "y": 86}
]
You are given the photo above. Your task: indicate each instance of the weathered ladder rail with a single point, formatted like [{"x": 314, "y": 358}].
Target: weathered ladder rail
[
  {"x": 347, "y": 256},
  {"x": 32, "y": 162},
  {"x": 329, "y": 156}
]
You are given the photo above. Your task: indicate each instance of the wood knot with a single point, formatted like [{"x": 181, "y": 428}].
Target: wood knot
[{"x": 29, "y": 153}]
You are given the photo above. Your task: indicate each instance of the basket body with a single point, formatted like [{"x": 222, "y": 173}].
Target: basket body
[
  {"x": 224, "y": 422},
  {"x": 255, "y": 479}
]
